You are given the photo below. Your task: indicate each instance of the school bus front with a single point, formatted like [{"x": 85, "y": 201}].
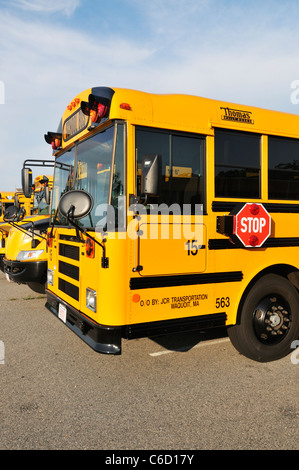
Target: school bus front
[{"x": 25, "y": 255}]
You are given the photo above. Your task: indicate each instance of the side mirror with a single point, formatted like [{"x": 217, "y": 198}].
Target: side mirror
[
  {"x": 14, "y": 214},
  {"x": 10, "y": 214},
  {"x": 27, "y": 181},
  {"x": 75, "y": 204},
  {"x": 47, "y": 195},
  {"x": 151, "y": 171}
]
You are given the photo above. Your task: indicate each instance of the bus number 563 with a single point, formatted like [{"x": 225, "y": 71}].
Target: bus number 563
[{"x": 222, "y": 302}]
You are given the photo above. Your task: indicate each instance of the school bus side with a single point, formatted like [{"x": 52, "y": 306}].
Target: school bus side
[{"x": 171, "y": 284}]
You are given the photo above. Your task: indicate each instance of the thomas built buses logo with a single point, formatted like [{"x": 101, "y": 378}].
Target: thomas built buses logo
[{"x": 237, "y": 115}]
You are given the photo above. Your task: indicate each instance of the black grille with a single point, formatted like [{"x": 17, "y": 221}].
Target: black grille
[
  {"x": 69, "y": 251},
  {"x": 68, "y": 288},
  {"x": 69, "y": 270}
]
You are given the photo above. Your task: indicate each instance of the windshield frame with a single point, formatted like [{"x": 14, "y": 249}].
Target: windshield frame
[{"x": 75, "y": 147}]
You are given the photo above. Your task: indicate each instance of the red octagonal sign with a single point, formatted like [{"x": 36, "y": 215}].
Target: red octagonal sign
[{"x": 252, "y": 225}]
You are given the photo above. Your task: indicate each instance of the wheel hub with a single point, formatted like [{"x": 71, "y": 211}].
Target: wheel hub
[{"x": 272, "y": 319}]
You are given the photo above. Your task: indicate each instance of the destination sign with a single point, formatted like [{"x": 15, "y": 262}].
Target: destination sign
[{"x": 75, "y": 124}]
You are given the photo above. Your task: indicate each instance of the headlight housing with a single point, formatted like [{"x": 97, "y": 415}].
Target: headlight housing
[
  {"x": 91, "y": 299},
  {"x": 29, "y": 255},
  {"x": 50, "y": 277}
]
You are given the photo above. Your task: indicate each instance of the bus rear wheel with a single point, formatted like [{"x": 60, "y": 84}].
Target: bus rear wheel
[{"x": 269, "y": 320}]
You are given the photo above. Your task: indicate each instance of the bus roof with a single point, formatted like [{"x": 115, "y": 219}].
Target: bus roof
[{"x": 172, "y": 111}]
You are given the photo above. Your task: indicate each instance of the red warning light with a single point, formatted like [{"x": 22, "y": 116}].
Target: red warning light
[
  {"x": 253, "y": 240},
  {"x": 254, "y": 209},
  {"x": 96, "y": 108},
  {"x": 54, "y": 139}
]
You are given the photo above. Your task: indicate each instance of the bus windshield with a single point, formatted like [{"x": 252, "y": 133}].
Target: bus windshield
[{"x": 87, "y": 166}]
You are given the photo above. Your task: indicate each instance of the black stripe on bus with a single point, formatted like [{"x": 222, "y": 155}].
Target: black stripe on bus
[
  {"x": 283, "y": 208},
  {"x": 279, "y": 242},
  {"x": 148, "y": 282},
  {"x": 204, "y": 322}
]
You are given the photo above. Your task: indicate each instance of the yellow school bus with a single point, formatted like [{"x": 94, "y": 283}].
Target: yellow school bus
[
  {"x": 173, "y": 213},
  {"x": 9, "y": 200},
  {"x": 25, "y": 256}
]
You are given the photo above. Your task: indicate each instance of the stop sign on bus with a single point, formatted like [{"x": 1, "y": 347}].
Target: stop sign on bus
[{"x": 252, "y": 225}]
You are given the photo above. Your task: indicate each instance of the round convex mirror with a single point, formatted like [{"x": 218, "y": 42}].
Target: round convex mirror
[
  {"x": 10, "y": 214},
  {"x": 75, "y": 204}
]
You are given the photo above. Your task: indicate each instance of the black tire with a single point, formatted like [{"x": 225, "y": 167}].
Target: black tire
[{"x": 269, "y": 320}]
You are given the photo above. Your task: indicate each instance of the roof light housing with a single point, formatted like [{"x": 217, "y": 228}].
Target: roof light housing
[
  {"x": 96, "y": 107},
  {"x": 54, "y": 139}
]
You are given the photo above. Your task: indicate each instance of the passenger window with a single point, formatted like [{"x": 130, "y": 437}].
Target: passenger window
[
  {"x": 237, "y": 164},
  {"x": 182, "y": 179},
  {"x": 283, "y": 168}
]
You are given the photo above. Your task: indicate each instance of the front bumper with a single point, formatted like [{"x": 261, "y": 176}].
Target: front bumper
[
  {"x": 24, "y": 272},
  {"x": 103, "y": 339}
]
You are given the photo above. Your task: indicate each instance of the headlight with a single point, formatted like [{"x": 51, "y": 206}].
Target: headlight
[
  {"x": 91, "y": 299},
  {"x": 29, "y": 255},
  {"x": 50, "y": 277}
]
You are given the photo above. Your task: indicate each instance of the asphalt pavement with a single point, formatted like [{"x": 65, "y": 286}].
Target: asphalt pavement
[{"x": 184, "y": 392}]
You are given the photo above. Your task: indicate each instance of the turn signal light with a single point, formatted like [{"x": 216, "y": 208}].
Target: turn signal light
[
  {"x": 89, "y": 247},
  {"x": 49, "y": 240}
]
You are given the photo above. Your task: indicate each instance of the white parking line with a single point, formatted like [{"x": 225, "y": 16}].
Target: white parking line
[{"x": 200, "y": 345}]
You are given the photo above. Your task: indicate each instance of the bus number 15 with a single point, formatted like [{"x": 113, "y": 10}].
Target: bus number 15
[{"x": 192, "y": 247}]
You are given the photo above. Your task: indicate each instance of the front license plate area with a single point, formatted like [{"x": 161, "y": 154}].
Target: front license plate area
[{"x": 62, "y": 312}]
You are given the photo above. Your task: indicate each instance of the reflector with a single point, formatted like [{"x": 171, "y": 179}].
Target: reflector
[{"x": 125, "y": 106}]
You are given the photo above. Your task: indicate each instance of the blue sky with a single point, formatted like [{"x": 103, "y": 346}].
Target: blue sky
[{"x": 235, "y": 50}]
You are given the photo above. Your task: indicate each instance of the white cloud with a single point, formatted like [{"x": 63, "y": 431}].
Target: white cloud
[
  {"x": 42, "y": 68},
  {"x": 183, "y": 47},
  {"x": 66, "y": 7}
]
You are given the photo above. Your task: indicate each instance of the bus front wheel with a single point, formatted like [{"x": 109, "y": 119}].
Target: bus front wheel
[{"x": 269, "y": 320}]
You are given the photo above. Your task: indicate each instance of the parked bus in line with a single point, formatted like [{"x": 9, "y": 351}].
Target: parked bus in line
[
  {"x": 9, "y": 200},
  {"x": 25, "y": 259},
  {"x": 172, "y": 213}
]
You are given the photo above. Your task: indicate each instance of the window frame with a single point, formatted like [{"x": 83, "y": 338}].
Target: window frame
[
  {"x": 240, "y": 133},
  {"x": 285, "y": 139},
  {"x": 177, "y": 133}
]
